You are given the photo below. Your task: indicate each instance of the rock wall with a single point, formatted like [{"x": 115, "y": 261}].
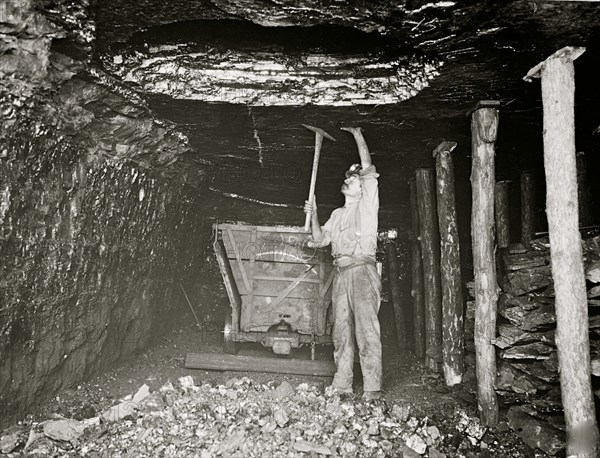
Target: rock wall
[
  {"x": 98, "y": 220},
  {"x": 528, "y": 382},
  {"x": 528, "y": 366}
]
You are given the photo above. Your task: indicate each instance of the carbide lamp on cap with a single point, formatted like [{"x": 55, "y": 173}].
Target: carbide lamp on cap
[{"x": 354, "y": 169}]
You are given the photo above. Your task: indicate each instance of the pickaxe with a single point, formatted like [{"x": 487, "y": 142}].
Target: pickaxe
[{"x": 319, "y": 134}]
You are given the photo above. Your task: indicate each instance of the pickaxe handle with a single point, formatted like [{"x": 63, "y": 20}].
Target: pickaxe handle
[{"x": 313, "y": 178}]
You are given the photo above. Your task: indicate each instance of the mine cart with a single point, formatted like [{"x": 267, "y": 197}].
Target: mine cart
[{"x": 279, "y": 289}]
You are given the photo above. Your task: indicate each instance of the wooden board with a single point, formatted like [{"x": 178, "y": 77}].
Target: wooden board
[
  {"x": 278, "y": 277},
  {"x": 271, "y": 278},
  {"x": 284, "y": 245},
  {"x": 233, "y": 293},
  {"x": 224, "y": 362}
]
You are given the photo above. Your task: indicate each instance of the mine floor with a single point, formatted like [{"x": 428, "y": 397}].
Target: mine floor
[{"x": 417, "y": 410}]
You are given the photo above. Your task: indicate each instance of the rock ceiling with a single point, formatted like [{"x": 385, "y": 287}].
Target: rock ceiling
[
  {"x": 417, "y": 66},
  {"x": 342, "y": 52},
  {"x": 406, "y": 70}
]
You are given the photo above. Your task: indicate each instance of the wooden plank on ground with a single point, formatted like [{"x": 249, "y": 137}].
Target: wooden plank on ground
[{"x": 225, "y": 362}]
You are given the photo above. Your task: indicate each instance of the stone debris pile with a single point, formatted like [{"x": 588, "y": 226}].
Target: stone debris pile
[
  {"x": 238, "y": 418},
  {"x": 245, "y": 418}
]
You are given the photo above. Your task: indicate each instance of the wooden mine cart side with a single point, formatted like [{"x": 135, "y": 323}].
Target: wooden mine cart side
[{"x": 279, "y": 289}]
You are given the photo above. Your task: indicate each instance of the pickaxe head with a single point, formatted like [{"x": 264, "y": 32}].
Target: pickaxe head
[{"x": 319, "y": 131}]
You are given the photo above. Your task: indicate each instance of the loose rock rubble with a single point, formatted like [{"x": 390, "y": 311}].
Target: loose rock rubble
[{"x": 246, "y": 418}]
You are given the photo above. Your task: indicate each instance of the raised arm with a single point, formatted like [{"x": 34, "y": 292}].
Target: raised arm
[{"x": 363, "y": 149}]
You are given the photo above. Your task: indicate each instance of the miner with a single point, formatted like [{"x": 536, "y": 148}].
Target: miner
[{"x": 352, "y": 232}]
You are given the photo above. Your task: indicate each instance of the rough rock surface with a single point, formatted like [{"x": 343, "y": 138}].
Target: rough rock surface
[
  {"x": 265, "y": 79},
  {"x": 92, "y": 233},
  {"x": 487, "y": 47},
  {"x": 162, "y": 405}
]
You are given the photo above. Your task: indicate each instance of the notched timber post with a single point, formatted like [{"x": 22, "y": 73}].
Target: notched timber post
[
  {"x": 527, "y": 208},
  {"x": 502, "y": 213},
  {"x": 417, "y": 277},
  {"x": 430, "y": 252},
  {"x": 451, "y": 278},
  {"x": 393, "y": 278},
  {"x": 484, "y": 128},
  {"x": 557, "y": 73}
]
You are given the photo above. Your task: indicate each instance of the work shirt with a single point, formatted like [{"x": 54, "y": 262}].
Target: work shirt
[{"x": 352, "y": 229}]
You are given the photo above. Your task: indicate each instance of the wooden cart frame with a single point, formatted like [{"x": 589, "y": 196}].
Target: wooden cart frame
[{"x": 279, "y": 289}]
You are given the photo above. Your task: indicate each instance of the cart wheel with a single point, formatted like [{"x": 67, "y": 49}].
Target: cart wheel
[{"x": 228, "y": 342}]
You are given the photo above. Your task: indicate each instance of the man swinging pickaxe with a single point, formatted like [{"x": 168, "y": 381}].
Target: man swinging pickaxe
[
  {"x": 319, "y": 135},
  {"x": 351, "y": 231}
]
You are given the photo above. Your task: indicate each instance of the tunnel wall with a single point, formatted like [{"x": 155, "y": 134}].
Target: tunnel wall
[
  {"x": 91, "y": 258},
  {"x": 99, "y": 221}
]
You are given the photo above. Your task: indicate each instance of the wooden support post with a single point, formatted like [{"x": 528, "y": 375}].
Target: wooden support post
[
  {"x": 417, "y": 277},
  {"x": 393, "y": 278},
  {"x": 572, "y": 329},
  {"x": 502, "y": 212},
  {"x": 451, "y": 278},
  {"x": 583, "y": 191},
  {"x": 484, "y": 127},
  {"x": 430, "y": 252},
  {"x": 527, "y": 208}
]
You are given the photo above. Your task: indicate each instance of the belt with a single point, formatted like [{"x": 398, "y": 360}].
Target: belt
[{"x": 345, "y": 262}]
